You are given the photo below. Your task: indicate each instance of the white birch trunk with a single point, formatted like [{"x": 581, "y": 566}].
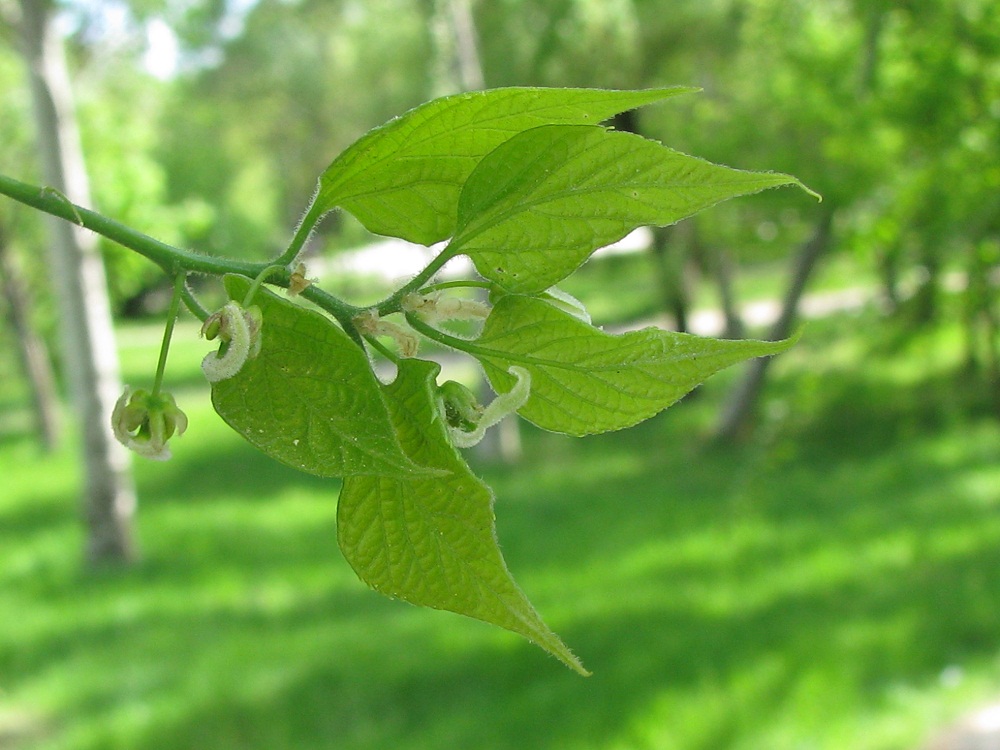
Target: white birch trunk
[{"x": 89, "y": 354}]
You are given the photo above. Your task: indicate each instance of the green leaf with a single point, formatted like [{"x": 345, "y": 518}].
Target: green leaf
[
  {"x": 432, "y": 541},
  {"x": 538, "y": 205},
  {"x": 585, "y": 381},
  {"x": 403, "y": 178},
  {"x": 310, "y": 398}
]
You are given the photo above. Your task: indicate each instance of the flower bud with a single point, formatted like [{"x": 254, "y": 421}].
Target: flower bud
[
  {"x": 297, "y": 282},
  {"x": 461, "y": 407},
  {"x": 464, "y": 408},
  {"x": 239, "y": 331},
  {"x": 370, "y": 323},
  {"x": 567, "y": 303},
  {"x": 434, "y": 308},
  {"x": 144, "y": 423}
]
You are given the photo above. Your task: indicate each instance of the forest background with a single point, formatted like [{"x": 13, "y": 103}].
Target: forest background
[{"x": 815, "y": 568}]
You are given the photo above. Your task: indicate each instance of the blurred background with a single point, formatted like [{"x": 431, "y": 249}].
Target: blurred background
[{"x": 801, "y": 555}]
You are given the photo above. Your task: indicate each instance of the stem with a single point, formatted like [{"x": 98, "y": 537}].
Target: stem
[
  {"x": 452, "y": 342},
  {"x": 342, "y": 311},
  {"x": 193, "y": 305},
  {"x": 391, "y": 304},
  {"x": 171, "y": 259},
  {"x": 312, "y": 217},
  {"x": 175, "y": 261},
  {"x": 258, "y": 281},
  {"x": 464, "y": 345},
  {"x": 382, "y": 349},
  {"x": 175, "y": 303}
]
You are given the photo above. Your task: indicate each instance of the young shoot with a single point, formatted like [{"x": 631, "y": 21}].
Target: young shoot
[{"x": 524, "y": 183}]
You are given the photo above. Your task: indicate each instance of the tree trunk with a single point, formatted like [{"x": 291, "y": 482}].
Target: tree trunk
[
  {"x": 737, "y": 412},
  {"x": 470, "y": 69},
  {"x": 981, "y": 319},
  {"x": 719, "y": 265},
  {"x": 90, "y": 357},
  {"x": 871, "y": 51},
  {"x": 456, "y": 65},
  {"x": 669, "y": 263},
  {"x": 888, "y": 261},
  {"x": 925, "y": 302},
  {"x": 33, "y": 353}
]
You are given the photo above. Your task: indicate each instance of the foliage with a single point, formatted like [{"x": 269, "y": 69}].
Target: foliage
[
  {"x": 527, "y": 184},
  {"x": 830, "y": 584},
  {"x": 305, "y": 71},
  {"x": 887, "y": 109}
]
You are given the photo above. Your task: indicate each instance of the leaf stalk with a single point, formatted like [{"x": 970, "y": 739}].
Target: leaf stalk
[{"x": 168, "y": 331}]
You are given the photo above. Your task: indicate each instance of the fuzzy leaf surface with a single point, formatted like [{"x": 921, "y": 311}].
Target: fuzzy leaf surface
[
  {"x": 585, "y": 381},
  {"x": 310, "y": 398},
  {"x": 537, "y": 206},
  {"x": 403, "y": 178},
  {"x": 432, "y": 541}
]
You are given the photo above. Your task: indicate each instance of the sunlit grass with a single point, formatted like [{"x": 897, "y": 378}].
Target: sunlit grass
[{"x": 830, "y": 585}]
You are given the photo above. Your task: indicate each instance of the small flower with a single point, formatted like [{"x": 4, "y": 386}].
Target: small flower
[
  {"x": 433, "y": 308},
  {"x": 370, "y": 323},
  {"x": 298, "y": 282},
  {"x": 144, "y": 423},
  {"x": 467, "y": 421},
  {"x": 462, "y": 409},
  {"x": 238, "y": 329}
]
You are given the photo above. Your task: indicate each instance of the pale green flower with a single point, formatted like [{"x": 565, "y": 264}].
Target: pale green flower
[
  {"x": 144, "y": 423},
  {"x": 238, "y": 330},
  {"x": 467, "y": 421}
]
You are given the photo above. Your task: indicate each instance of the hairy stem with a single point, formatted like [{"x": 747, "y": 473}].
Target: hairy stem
[
  {"x": 193, "y": 305},
  {"x": 312, "y": 217},
  {"x": 259, "y": 279},
  {"x": 391, "y": 304},
  {"x": 174, "y": 260},
  {"x": 171, "y": 259},
  {"x": 453, "y": 342},
  {"x": 382, "y": 349},
  {"x": 168, "y": 332}
]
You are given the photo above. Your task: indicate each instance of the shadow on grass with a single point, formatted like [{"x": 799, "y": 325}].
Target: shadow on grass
[{"x": 777, "y": 590}]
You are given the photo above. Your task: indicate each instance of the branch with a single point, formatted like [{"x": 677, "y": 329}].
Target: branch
[
  {"x": 173, "y": 260},
  {"x": 391, "y": 304}
]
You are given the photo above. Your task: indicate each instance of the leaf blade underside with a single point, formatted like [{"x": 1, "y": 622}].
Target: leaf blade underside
[
  {"x": 585, "y": 381},
  {"x": 536, "y": 207},
  {"x": 432, "y": 542},
  {"x": 403, "y": 179},
  {"x": 310, "y": 398}
]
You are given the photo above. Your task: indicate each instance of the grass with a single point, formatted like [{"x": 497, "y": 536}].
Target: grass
[{"x": 832, "y": 584}]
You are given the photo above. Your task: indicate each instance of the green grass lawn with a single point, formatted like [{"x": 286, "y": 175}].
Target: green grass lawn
[{"x": 832, "y": 584}]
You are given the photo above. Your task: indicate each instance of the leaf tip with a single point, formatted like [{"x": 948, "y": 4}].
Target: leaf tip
[
  {"x": 795, "y": 337},
  {"x": 809, "y": 191},
  {"x": 783, "y": 345},
  {"x": 786, "y": 180},
  {"x": 552, "y": 644},
  {"x": 577, "y": 666},
  {"x": 668, "y": 91}
]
